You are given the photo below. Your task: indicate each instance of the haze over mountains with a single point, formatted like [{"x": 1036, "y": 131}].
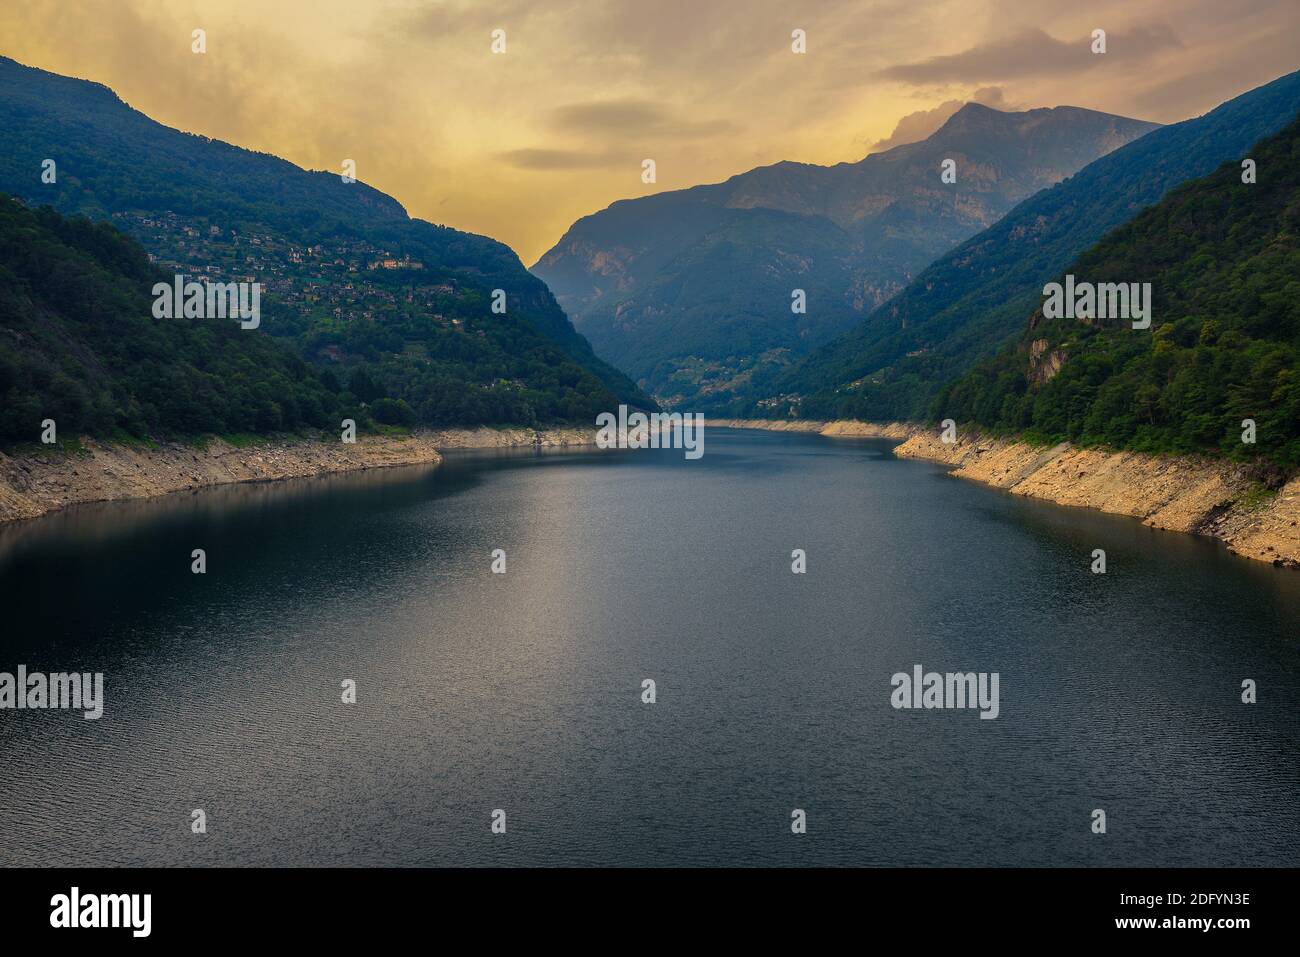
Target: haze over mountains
[
  {"x": 397, "y": 311},
  {"x": 690, "y": 291}
]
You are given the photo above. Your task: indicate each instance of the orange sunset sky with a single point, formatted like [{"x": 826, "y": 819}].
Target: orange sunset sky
[{"x": 520, "y": 144}]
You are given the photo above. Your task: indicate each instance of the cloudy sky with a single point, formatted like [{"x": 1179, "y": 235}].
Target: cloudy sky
[{"x": 518, "y": 145}]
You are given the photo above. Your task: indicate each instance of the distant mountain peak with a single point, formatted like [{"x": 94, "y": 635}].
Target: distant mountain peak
[
  {"x": 971, "y": 109},
  {"x": 978, "y": 117}
]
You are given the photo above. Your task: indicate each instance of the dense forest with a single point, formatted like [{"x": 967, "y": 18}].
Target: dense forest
[
  {"x": 1223, "y": 257},
  {"x": 971, "y": 302},
  {"x": 79, "y": 345}
]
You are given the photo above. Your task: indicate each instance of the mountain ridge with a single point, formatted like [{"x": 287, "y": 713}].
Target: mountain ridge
[
  {"x": 422, "y": 329},
  {"x": 645, "y": 278},
  {"x": 1223, "y": 260},
  {"x": 969, "y": 301}
]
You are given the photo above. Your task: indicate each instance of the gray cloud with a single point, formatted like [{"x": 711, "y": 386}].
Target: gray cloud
[
  {"x": 632, "y": 117},
  {"x": 549, "y": 159},
  {"x": 611, "y": 115},
  {"x": 1033, "y": 53}
]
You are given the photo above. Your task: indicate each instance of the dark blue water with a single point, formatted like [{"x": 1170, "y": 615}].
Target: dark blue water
[{"x": 523, "y": 691}]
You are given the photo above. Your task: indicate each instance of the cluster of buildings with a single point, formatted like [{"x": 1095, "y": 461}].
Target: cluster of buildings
[{"x": 329, "y": 277}]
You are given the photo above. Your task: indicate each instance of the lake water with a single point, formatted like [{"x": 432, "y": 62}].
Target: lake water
[{"x": 478, "y": 691}]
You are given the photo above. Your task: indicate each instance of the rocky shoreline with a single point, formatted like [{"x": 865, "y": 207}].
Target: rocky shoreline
[
  {"x": 1176, "y": 493},
  {"x": 33, "y": 483},
  {"x": 1200, "y": 496}
]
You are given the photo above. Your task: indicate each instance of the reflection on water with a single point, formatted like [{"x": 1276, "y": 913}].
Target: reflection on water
[{"x": 522, "y": 691}]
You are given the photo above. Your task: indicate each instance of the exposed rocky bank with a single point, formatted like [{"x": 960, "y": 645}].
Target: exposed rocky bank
[
  {"x": 1178, "y": 493},
  {"x": 39, "y": 481}
]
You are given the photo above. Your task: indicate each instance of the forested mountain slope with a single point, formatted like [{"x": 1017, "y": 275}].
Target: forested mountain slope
[
  {"x": 355, "y": 284},
  {"x": 79, "y": 345},
  {"x": 973, "y": 300},
  {"x": 1223, "y": 259}
]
